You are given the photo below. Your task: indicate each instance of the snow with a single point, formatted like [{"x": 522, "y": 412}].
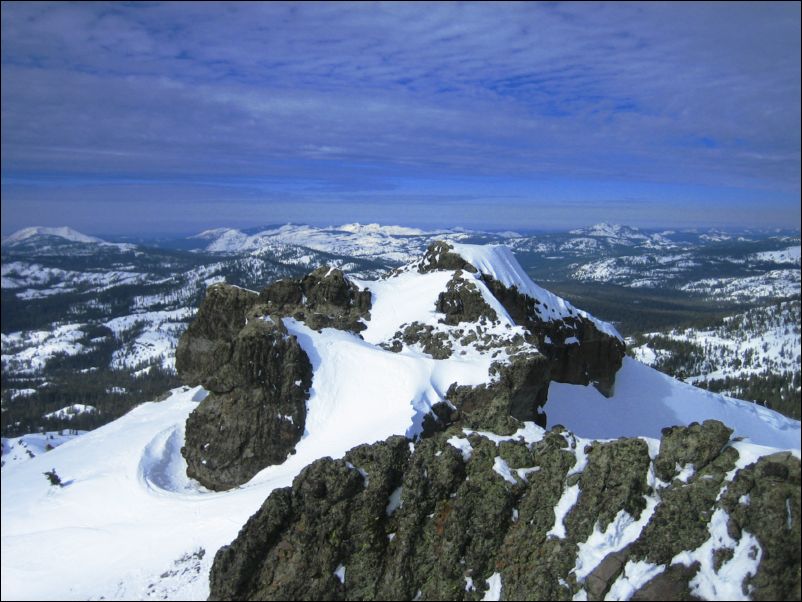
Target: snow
[
  {"x": 564, "y": 505},
  {"x": 358, "y": 228},
  {"x": 126, "y": 481},
  {"x": 646, "y": 400},
  {"x": 396, "y": 244},
  {"x": 62, "y": 232},
  {"x": 619, "y": 533},
  {"x": 771, "y": 285},
  {"x": 501, "y": 467},
  {"x": 726, "y": 583},
  {"x": 493, "y": 587},
  {"x": 684, "y": 473},
  {"x": 28, "y": 352},
  {"x": 362, "y": 393},
  {"x": 499, "y": 262},
  {"x": 340, "y": 573},
  {"x": 70, "y": 412},
  {"x": 635, "y": 575},
  {"x": 788, "y": 255},
  {"x": 463, "y": 445},
  {"x": 395, "y": 501},
  {"x": 23, "y": 448}
]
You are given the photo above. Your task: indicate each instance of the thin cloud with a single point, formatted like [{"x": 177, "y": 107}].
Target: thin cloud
[{"x": 695, "y": 94}]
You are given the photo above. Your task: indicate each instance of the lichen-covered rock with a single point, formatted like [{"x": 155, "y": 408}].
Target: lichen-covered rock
[
  {"x": 695, "y": 444},
  {"x": 440, "y": 256},
  {"x": 764, "y": 500},
  {"x": 440, "y": 518},
  {"x": 462, "y": 302}
]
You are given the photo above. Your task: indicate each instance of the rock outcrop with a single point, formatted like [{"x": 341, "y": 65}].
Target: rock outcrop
[
  {"x": 323, "y": 299},
  {"x": 579, "y": 352},
  {"x": 456, "y": 514},
  {"x": 257, "y": 375},
  {"x": 258, "y": 379}
]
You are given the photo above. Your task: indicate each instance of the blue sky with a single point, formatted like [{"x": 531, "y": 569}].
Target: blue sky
[{"x": 149, "y": 117}]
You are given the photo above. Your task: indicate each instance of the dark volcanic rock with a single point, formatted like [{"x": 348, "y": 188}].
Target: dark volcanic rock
[
  {"x": 205, "y": 349},
  {"x": 695, "y": 444},
  {"x": 517, "y": 393},
  {"x": 440, "y": 256},
  {"x": 233, "y": 434},
  {"x": 258, "y": 379},
  {"x": 258, "y": 376},
  {"x": 462, "y": 302},
  {"x": 323, "y": 299},
  {"x": 579, "y": 352},
  {"x": 388, "y": 522}
]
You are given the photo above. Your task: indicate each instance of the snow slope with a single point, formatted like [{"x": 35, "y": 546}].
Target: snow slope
[
  {"x": 499, "y": 262},
  {"x": 646, "y": 400},
  {"x": 26, "y": 447}
]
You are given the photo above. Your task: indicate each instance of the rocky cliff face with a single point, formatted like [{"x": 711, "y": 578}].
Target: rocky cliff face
[
  {"x": 257, "y": 375},
  {"x": 545, "y": 516},
  {"x": 579, "y": 353}
]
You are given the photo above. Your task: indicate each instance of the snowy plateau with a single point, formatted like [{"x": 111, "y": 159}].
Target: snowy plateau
[{"x": 128, "y": 523}]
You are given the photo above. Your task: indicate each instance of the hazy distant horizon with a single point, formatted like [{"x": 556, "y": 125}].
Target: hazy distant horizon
[{"x": 177, "y": 234}]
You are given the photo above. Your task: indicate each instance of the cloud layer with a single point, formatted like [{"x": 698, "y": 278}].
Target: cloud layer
[{"x": 374, "y": 103}]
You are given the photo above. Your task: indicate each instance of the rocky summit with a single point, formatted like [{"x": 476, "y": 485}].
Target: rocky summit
[
  {"x": 415, "y": 408},
  {"x": 258, "y": 376}
]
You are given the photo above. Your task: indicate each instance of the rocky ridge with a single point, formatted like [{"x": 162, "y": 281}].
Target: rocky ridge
[
  {"x": 259, "y": 376},
  {"x": 539, "y": 515}
]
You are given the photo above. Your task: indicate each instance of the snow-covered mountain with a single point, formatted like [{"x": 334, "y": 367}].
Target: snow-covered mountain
[
  {"x": 461, "y": 337},
  {"x": 398, "y": 244},
  {"x": 62, "y": 232},
  {"x": 750, "y": 355}
]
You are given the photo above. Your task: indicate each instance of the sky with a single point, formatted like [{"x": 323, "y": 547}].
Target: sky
[{"x": 128, "y": 118}]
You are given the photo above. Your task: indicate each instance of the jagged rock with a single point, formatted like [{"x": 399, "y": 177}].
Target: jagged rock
[
  {"x": 517, "y": 393},
  {"x": 204, "y": 351},
  {"x": 235, "y": 433},
  {"x": 462, "y": 302},
  {"x": 323, "y": 299},
  {"x": 695, "y": 444},
  {"x": 391, "y": 522},
  {"x": 764, "y": 500},
  {"x": 435, "y": 343},
  {"x": 579, "y": 352},
  {"x": 258, "y": 376},
  {"x": 439, "y": 256}
]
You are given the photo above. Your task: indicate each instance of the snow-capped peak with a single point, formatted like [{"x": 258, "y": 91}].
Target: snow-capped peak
[
  {"x": 358, "y": 228},
  {"x": 64, "y": 232},
  {"x": 499, "y": 262},
  {"x": 605, "y": 230}
]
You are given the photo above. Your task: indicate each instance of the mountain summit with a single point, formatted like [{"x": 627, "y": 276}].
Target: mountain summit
[{"x": 63, "y": 232}]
